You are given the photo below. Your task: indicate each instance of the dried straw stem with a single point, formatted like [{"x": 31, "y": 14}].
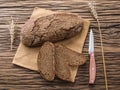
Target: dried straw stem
[{"x": 94, "y": 13}]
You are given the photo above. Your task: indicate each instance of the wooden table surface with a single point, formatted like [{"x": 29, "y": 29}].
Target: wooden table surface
[{"x": 17, "y": 78}]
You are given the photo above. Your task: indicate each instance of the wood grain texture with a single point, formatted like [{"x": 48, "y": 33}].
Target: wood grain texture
[{"x": 16, "y": 78}]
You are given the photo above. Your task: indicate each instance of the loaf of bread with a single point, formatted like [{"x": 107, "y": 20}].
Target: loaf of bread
[
  {"x": 58, "y": 60},
  {"x": 46, "y": 61},
  {"x": 54, "y": 27}
]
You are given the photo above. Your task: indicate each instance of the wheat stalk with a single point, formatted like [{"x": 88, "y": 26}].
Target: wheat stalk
[
  {"x": 91, "y": 4},
  {"x": 12, "y": 32}
]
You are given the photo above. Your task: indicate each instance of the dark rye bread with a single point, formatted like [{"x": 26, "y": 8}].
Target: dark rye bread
[
  {"x": 45, "y": 61},
  {"x": 65, "y": 61},
  {"x": 54, "y": 27}
]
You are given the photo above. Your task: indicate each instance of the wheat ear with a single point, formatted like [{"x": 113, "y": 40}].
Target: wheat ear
[
  {"x": 12, "y": 32},
  {"x": 91, "y": 4}
]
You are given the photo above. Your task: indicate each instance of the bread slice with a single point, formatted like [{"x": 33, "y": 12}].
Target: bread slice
[
  {"x": 46, "y": 60},
  {"x": 65, "y": 62},
  {"x": 62, "y": 69},
  {"x": 73, "y": 57}
]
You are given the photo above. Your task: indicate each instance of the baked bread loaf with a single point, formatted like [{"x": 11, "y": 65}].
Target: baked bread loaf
[
  {"x": 65, "y": 60},
  {"x": 54, "y": 27},
  {"x": 46, "y": 61}
]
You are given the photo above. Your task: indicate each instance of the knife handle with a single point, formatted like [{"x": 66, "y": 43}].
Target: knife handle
[{"x": 92, "y": 69}]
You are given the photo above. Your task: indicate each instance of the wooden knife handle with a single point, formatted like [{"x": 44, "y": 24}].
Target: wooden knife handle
[{"x": 92, "y": 69}]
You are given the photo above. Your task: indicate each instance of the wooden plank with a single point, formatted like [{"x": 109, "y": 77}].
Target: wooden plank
[
  {"x": 14, "y": 77},
  {"x": 57, "y": 87}
]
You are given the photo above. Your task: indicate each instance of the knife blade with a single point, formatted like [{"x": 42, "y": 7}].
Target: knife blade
[{"x": 92, "y": 67}]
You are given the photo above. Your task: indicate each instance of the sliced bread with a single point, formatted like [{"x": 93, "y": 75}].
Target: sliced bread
[
  {"x": 46, "y": 60},
  {"x": 65, "y": 62},
  {"x": 73, "y": 57},
  {"x": 58, "y": 60}
]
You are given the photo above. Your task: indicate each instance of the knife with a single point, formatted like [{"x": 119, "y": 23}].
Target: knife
[{"x": 92, "y": 67}]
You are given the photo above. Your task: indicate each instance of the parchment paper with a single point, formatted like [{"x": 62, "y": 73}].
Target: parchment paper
[{"x": 27, "y": 57}]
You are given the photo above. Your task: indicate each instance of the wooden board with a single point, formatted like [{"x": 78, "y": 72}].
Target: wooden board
[{"x": 16, "y": 78}]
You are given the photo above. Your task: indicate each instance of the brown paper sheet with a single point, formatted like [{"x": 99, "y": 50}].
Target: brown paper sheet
[{"x": 27, "y": 57}]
